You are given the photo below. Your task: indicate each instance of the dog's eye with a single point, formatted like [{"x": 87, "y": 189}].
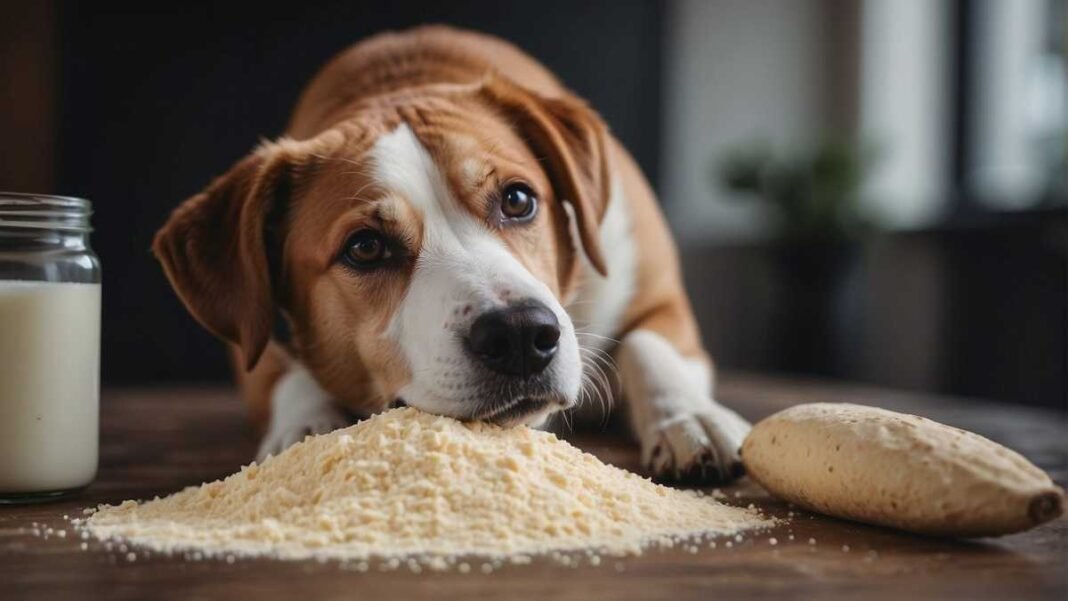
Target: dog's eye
[
  {"x": 518, "y": 202},
  {"x": 366, "y": 249}
]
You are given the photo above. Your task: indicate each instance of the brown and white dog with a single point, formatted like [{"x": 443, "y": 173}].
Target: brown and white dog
[{"x": 446, "y": 225}]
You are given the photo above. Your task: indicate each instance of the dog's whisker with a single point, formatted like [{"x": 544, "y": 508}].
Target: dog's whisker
[
  {"x": 597, "y": 336},
  {"x": 603, "y": 388},
  {"x": 596, "y": 381},
  {"x": 564, "y": 415},
  {"x": 600, "y": 355},
  {"x": 603, "y": 362},
  {"x": 356, "y": 195}
]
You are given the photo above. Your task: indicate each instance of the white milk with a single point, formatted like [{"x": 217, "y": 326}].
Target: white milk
[{"x": 49, "y": 385}]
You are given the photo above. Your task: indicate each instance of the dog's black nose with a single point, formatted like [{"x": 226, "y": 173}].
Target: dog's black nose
[{"x": 516, "y": 341}]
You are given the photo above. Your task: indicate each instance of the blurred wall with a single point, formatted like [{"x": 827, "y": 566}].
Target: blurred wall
[
  {"x": 739, "y": 72},
  {"x": 28, "y": 78},
  {"x": 905, "y": 109},
  {"x": 789, "y": 74},
  {"x": 1016, "y": 103}
]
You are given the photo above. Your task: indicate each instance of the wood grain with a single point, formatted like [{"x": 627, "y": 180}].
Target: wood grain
[{"x": 157, "y": 441}]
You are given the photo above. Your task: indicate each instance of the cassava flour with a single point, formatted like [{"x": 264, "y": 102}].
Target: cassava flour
[{"x": 407, "y": 483}]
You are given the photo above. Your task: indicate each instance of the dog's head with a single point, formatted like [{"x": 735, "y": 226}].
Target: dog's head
[{"x": 421, "y": 249}]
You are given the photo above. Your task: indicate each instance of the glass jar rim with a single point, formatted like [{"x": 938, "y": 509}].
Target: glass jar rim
[{"x": 44, "y": 211}]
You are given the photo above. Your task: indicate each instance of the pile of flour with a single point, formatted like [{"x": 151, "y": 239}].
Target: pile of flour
[{"x": 409, "y": 484}]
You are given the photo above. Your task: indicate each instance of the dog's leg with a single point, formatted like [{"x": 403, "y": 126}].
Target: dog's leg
[
  {"x": 684, "y": 433},
  {"x": 299, "y": 407}
]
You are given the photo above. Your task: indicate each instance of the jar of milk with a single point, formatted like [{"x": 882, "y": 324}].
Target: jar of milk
[{"x": 49, "y": 347}]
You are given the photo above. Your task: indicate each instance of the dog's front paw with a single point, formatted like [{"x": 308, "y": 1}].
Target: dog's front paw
[
  {"x": 289, "y": 428},
  {"x": 698, "y": 447}
]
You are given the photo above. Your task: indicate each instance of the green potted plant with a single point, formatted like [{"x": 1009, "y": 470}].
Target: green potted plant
[{"x": 815, "y": 248}]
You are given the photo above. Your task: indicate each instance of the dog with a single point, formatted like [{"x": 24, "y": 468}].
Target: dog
[{"x": 445, "y": 225}]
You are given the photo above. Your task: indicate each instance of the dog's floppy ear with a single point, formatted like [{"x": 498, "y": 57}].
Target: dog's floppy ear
[
  {"x": 214, "y": 247},
  {"x": 569, "y": 137}
]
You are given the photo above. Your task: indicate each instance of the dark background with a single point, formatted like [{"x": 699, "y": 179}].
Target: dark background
[{"x": 136, "y": 106}]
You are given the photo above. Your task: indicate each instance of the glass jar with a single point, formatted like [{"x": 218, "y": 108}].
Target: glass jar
[{"x": 49, "y": 348}]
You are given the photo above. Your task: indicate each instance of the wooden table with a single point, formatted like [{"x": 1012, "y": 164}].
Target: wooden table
[{"x": 157, "y": 441}]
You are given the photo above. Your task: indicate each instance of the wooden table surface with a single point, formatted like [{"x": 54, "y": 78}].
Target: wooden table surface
[{"x": 157, "y": 441}]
